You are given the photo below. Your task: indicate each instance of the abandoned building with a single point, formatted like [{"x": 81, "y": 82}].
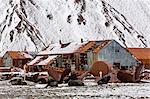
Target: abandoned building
[
  {"x": 39, "y": 63},
  {"x": 16, "y": 59},
  {"x": 81, "y": 56},
  {"x": 143, "y": 55},
  {"x": 116, "y": 55}
]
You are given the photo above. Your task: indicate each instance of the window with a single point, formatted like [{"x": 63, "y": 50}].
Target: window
[
  {"x": 40, "y": 68},
  {"x": 116, "y": 50},
  {"x": 116, "y": 65}
]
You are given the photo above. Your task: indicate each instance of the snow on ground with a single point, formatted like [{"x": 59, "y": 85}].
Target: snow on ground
[{"x": 108, "y": 91}]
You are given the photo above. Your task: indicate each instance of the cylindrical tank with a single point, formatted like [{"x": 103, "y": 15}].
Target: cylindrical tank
[
  {"x": 125, "y": 76},
  {"x": 100, "y": 67}
]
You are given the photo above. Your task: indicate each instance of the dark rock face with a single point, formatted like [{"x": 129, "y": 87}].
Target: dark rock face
[
  {"x": 104, "y": 80},
  {"x": 75, "y": 83},
  {"x": 18, "y": 81}
]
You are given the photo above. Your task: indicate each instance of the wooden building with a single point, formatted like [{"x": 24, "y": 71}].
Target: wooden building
[
  {"x": 15, "y": 59},
  {"x": 143, "y": 55},
  {"x": 82, "y": 56}
]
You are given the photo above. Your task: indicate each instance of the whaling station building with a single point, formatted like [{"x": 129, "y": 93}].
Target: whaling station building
[{"x": 81, "y": 56}]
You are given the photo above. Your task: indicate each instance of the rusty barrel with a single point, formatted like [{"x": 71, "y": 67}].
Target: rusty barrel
[
  {"x": 125, "y": 76},
  {"x": 100, "y": 66},
  {"x": 130, "y": 76}
]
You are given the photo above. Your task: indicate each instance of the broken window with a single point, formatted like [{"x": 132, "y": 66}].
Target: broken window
[{"x": 116, "y": 65}]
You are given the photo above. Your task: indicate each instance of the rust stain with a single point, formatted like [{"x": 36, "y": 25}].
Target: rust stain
[
  {"x": 16, "y": 55},
  {"x": 85, "y": 47},
  {"x": 142, "y": 54},
  {"x": 105, "y": 43}
]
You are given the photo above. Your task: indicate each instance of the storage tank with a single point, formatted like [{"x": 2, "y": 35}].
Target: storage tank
[{"x": 100, "y": 67}]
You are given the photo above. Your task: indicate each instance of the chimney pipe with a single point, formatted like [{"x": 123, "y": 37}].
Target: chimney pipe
[{"x": 60, "y": 42}]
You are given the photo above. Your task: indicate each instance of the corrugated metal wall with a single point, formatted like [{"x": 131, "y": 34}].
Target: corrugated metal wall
[
  {"x": 7, "y": 61},
  {"x": 115, "y": 53}
]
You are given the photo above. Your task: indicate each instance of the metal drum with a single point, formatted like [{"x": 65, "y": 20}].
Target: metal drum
[
  {"x": 125, "y": 76},
  {"x": 100, "y": 67}
]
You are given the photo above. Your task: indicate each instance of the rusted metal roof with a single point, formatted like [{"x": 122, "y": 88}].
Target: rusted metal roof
[
  {"x": 18, "y": 55},
  {"x": 142, "y": 54},
  {"x": 102, "y": 45},
  {"x": 85, "y": 47},
  {"x": 76, "y": 48}
]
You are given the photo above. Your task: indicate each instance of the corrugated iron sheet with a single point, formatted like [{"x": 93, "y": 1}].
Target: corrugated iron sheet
[
  {"x": 85, "y": 47},
  {"x": 16, "y": 55},
  {"x": 105, "y": 43},
  {"x": 142, "y": 54}
]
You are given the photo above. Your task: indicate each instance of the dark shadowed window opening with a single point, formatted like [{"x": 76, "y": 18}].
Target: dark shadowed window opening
[{"x": 116, "y": 65}]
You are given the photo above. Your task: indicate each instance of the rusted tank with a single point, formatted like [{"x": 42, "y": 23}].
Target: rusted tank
[
  {"x": 59, "y": 73},
  {"x": 55, "y": 72},
  {"x": 100, "y": 66},
  {"x": 130, "y": 76},
  {"x": 125, "y": 76}
]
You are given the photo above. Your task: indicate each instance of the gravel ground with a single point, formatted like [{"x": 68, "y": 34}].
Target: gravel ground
[{"x": 107, "y": 91}]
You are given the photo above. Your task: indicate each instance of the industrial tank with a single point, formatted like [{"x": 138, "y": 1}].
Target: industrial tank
[{"x": 100, "y": 67}]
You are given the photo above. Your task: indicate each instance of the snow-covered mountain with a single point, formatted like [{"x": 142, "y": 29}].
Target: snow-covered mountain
[{"x": 35, "y": 24}]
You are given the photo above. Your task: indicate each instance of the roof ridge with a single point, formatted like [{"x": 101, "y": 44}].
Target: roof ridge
[
  {"x": 102, "y": 45},
  {"x": 85, "y": 47}
]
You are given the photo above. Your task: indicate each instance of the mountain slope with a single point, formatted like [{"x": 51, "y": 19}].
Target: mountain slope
[
  {"x": 35, "y": 24},
  {"x": 137, "y": 12}
]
